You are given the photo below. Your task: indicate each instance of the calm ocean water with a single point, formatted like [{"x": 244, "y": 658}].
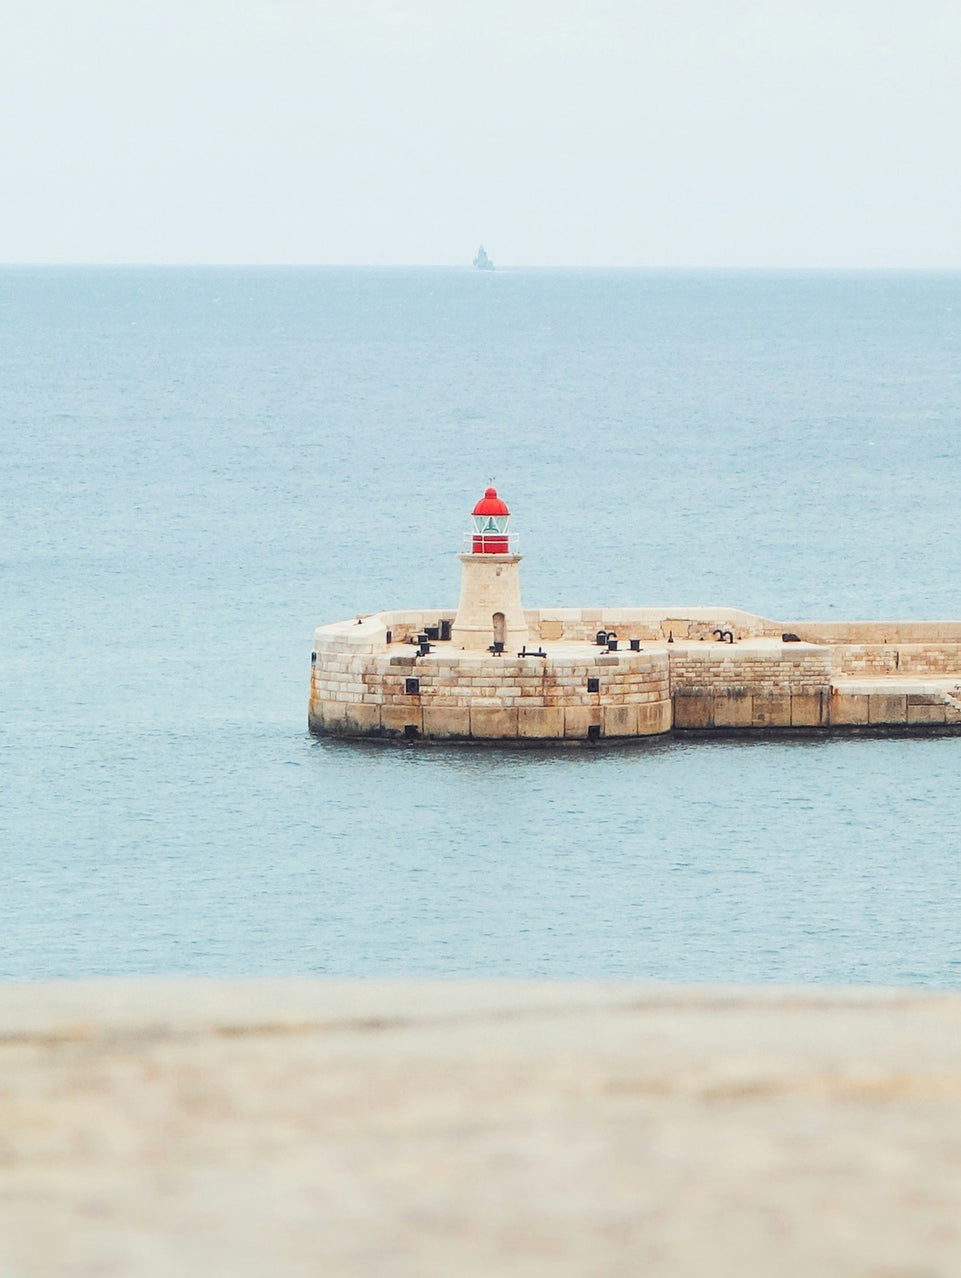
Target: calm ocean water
[{"x": 200, "y": 465}]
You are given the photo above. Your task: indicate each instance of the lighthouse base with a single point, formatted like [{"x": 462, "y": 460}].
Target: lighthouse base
[{"x": 490, "y": 611}]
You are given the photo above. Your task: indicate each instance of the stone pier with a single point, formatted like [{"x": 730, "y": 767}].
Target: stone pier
[{"x": 595, "y": 674}]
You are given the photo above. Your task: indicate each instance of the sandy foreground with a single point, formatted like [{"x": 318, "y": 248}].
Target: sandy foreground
[{"x": 329, "y": 1128}]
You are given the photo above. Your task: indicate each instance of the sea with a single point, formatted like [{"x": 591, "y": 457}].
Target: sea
[{"x": 200, "y": 465}]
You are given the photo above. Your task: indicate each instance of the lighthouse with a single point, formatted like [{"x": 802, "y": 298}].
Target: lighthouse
[{"x": 490, "y": 613}]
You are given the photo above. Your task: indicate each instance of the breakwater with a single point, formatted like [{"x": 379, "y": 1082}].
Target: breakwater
[{"x": 591, "y": 674}]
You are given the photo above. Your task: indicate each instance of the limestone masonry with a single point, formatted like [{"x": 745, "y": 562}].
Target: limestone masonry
[{"x": 492, "y": 670}]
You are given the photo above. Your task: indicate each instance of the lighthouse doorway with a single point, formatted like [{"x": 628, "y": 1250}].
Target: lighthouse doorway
[{"x": 500, "y": 629}]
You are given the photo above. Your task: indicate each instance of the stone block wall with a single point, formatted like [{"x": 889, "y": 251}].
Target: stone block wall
[
  {"x": 874, "y": 632},
  {"x": 723, "y": 686},
  {"x": 854, "y": 706},
  {"x": 930, "y": 658},
  {"x": 457, "y": 696},
  {"x": 653, "y": 624},
  {"x": 656, "y": 624},
  {"x": 791, "y": 668}
]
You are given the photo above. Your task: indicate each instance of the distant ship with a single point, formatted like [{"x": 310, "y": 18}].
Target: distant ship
[{"x": 482, "y": 261}]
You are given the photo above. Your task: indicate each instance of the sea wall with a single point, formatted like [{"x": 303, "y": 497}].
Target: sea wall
[
  {"x": 652, "y": 624},
  {"x": 898, "y": 658},
  {"x": 871, "y": 632},
  {"x": 369, "y": 680},
  {"x": 660, "y": 624},
  {"x": 356, "y": 692},
  {"x": 724, "y": 686}
]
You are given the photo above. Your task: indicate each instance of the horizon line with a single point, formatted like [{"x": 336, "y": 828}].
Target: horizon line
[{"x": 467, "y": 266}]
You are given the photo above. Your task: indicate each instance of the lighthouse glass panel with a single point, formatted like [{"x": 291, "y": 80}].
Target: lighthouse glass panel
[{"x": 490, "y": 534}]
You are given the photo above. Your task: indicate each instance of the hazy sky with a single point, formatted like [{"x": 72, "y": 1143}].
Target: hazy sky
[{"x": 581, "y": 132}]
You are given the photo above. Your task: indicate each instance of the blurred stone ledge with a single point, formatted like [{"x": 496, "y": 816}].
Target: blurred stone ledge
[{"x": 288, "y": 1127}]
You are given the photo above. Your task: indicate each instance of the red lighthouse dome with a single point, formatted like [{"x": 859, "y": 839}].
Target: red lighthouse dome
[{"x": 490, "y": 519}]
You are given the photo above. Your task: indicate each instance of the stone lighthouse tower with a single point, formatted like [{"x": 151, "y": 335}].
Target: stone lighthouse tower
[{"x": 490, "y": 613}]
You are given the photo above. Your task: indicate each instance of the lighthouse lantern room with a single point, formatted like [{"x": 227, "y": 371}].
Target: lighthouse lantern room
[
  {"x": 490, "y": 613},
  {"x": 490, "y": 518}
]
